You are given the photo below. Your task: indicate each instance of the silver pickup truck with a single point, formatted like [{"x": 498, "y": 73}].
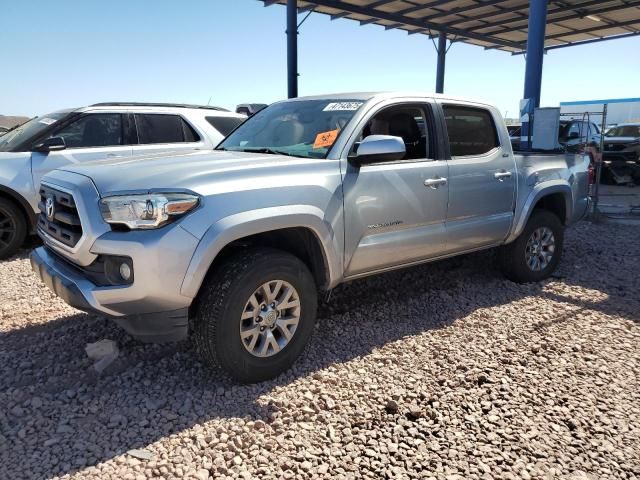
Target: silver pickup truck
[{"x": 232, "y": 246}]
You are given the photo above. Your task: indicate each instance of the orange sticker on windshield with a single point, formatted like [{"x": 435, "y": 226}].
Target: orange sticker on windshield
[{"x": 325, "y": 139}]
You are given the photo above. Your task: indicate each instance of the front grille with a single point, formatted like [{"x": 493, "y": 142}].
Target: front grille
[{"x": 59, "y": 216}]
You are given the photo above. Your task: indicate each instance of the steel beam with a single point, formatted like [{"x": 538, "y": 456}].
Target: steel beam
[
  {"x": 562, "y": 15},
  {"x": 414, "y": 22},
  {"x": 292, "y": 48},
  {"x": 585, "y": 42},
  {"x": 442, "y": 55}
]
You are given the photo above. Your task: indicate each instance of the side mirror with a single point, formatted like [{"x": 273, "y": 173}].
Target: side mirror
[
  {"x": 379, "y": 148},
  {"x": 51, "y": 145},
  {"x": 573, "y": 135}
]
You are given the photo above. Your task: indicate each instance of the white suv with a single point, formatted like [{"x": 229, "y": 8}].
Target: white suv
[{"x": 100, "y": 131}]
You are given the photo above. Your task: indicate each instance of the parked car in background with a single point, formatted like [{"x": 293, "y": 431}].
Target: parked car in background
[
  {"x": 97, "y": 132},
  {"x": 623, "y": 143},
  {"x": 514, "y": 135},
  {"x": 234, "y": 245},
  {"x": 576, "y": 132},
  {"x": 250, "y": 109}
]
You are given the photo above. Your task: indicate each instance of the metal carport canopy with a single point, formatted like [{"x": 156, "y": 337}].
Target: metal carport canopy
[{"x": 493, "y": 24}]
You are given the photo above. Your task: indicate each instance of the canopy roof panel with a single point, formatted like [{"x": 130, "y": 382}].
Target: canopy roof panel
[{"x": 493, "y": 24}]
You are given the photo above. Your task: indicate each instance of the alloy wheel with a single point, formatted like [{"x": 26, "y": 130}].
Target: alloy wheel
[
  {"x": 7, "y": 229},
  {"x": 270, "y": 318},
  {"x": 540, "y": 249}
]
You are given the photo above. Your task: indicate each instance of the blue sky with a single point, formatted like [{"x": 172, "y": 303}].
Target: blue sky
[{"x": 76, "y": 52}]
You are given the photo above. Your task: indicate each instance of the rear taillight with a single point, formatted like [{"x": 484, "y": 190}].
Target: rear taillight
[{"x": 592, "y": 174}]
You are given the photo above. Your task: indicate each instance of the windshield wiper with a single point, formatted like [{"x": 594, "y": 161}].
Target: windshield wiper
[{"x": 267, "y": 150}]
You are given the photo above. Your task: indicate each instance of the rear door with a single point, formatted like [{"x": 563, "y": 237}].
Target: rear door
[
  {"x": 482, "y": 179},
  {"x": 395, "y": 210},
  {"x": 92, "y": 136},
  {"x": 165, "y": 132}
]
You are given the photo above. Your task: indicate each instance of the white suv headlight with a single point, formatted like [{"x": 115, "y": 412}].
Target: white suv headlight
[{"x": 147, "y": 211}]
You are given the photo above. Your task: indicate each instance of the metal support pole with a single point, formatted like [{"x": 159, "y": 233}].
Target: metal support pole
[
  {"x": 442, "y": 54},
  {"x": 599, "y": 162},
  {"x": 533, "y": 69},
  {"x": 535, "y": 50},
  {"x": 292, "y": 48}
]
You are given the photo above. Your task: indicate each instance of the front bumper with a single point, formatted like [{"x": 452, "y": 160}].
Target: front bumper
[{"x": 68, "y": 283}]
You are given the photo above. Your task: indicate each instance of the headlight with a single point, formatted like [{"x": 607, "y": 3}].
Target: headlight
[{"x": 147, "y": 211}]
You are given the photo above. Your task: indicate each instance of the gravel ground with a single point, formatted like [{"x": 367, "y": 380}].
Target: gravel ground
[{"x": 443, "y": 371}]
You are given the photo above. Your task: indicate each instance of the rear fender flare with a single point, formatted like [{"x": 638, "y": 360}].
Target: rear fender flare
[{"x": 540, "y": 191}]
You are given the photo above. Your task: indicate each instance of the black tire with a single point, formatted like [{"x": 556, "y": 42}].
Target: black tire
[
  {"x": 512, "y": 257},
  {"x": 221, "y": 302},
  {"x": 13, "y": 228}
]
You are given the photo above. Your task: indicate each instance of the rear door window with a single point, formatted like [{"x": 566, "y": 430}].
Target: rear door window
[
  {"x": 471, "y": 130},
  {"x": 225, "y": 125},
  {"x": 93, "y": 130},
  {"x": 161, "y": 128}
]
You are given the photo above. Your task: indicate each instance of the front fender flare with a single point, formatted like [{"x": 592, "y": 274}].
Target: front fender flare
[
  {"x": 538, "y": 192},
  {"x": 244, "y": 224}
]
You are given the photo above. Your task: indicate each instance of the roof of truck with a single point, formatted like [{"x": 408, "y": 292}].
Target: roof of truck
[{"x": 365, "y": 96}]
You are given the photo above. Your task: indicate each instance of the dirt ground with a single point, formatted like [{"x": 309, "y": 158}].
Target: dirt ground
[{"x": 443, "y": 371}]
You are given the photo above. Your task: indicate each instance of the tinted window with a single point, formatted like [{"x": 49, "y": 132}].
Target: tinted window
[
  {"x": 159, "y": 128},
  {"x": 578, "y": 128},
  {"x": 93, "y": 130},
  {"x": 471, "y": 130},
  {"x": 225, "y": 125},
  {"x": 404, "y": 121}
]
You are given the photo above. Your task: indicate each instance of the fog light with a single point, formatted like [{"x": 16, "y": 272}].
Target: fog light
[{"x": 125, "y": 271}]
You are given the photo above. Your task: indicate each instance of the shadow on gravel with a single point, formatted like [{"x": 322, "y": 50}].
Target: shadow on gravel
[{"x": 58, "y": 417}]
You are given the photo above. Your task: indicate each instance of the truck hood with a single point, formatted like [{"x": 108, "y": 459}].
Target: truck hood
[{"x": 196, "y": 171}]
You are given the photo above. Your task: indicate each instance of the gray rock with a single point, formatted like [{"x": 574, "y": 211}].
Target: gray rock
[{"x": 141, "y": 454}]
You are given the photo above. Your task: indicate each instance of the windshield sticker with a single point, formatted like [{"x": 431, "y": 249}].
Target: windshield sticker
[
  {"x": 325, "y": 139},
  {"x": 47, "y": 121},
  {"x": 342, "y": 106}
]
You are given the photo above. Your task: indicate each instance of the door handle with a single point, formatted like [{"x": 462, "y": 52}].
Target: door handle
[
  {"x": 501, "y": 175},
  {"x": 114, "y": 155},
  {"x": 435, "y": 182}
]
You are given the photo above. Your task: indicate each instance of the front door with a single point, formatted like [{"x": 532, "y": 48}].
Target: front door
[
  {"x": 94, "y": 136},
  {"x": 482, "y": 180},
  {"x": 395, "y": 211}
]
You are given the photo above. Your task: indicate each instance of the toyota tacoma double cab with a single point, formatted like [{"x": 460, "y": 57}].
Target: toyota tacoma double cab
[{"x": 232, "y": 247}]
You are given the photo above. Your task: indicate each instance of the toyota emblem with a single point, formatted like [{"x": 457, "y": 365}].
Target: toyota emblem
[{"x": 50, "y": 208}]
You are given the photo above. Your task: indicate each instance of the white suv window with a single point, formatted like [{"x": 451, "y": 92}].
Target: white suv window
[
  {"x": 93, "y": 130},
  {"x": 163, "y": 128}
]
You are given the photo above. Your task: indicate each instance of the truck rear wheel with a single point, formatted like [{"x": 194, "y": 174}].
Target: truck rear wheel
[
  {"x": 255, "y": 314},
  {"x": 13, "y": 228},
  {"x": 535, "y": 254}
]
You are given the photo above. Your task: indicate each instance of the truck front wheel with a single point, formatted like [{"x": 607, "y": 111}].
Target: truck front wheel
[
  {"x": 255, "y": 314},
  {"x": 535, "y": 254}
]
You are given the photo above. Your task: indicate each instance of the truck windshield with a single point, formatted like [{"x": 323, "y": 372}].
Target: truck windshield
[
  {"x": 624, "y": 131},
  {"x": 299, "y": 128},
  {"x": 13, "y": 138}
]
